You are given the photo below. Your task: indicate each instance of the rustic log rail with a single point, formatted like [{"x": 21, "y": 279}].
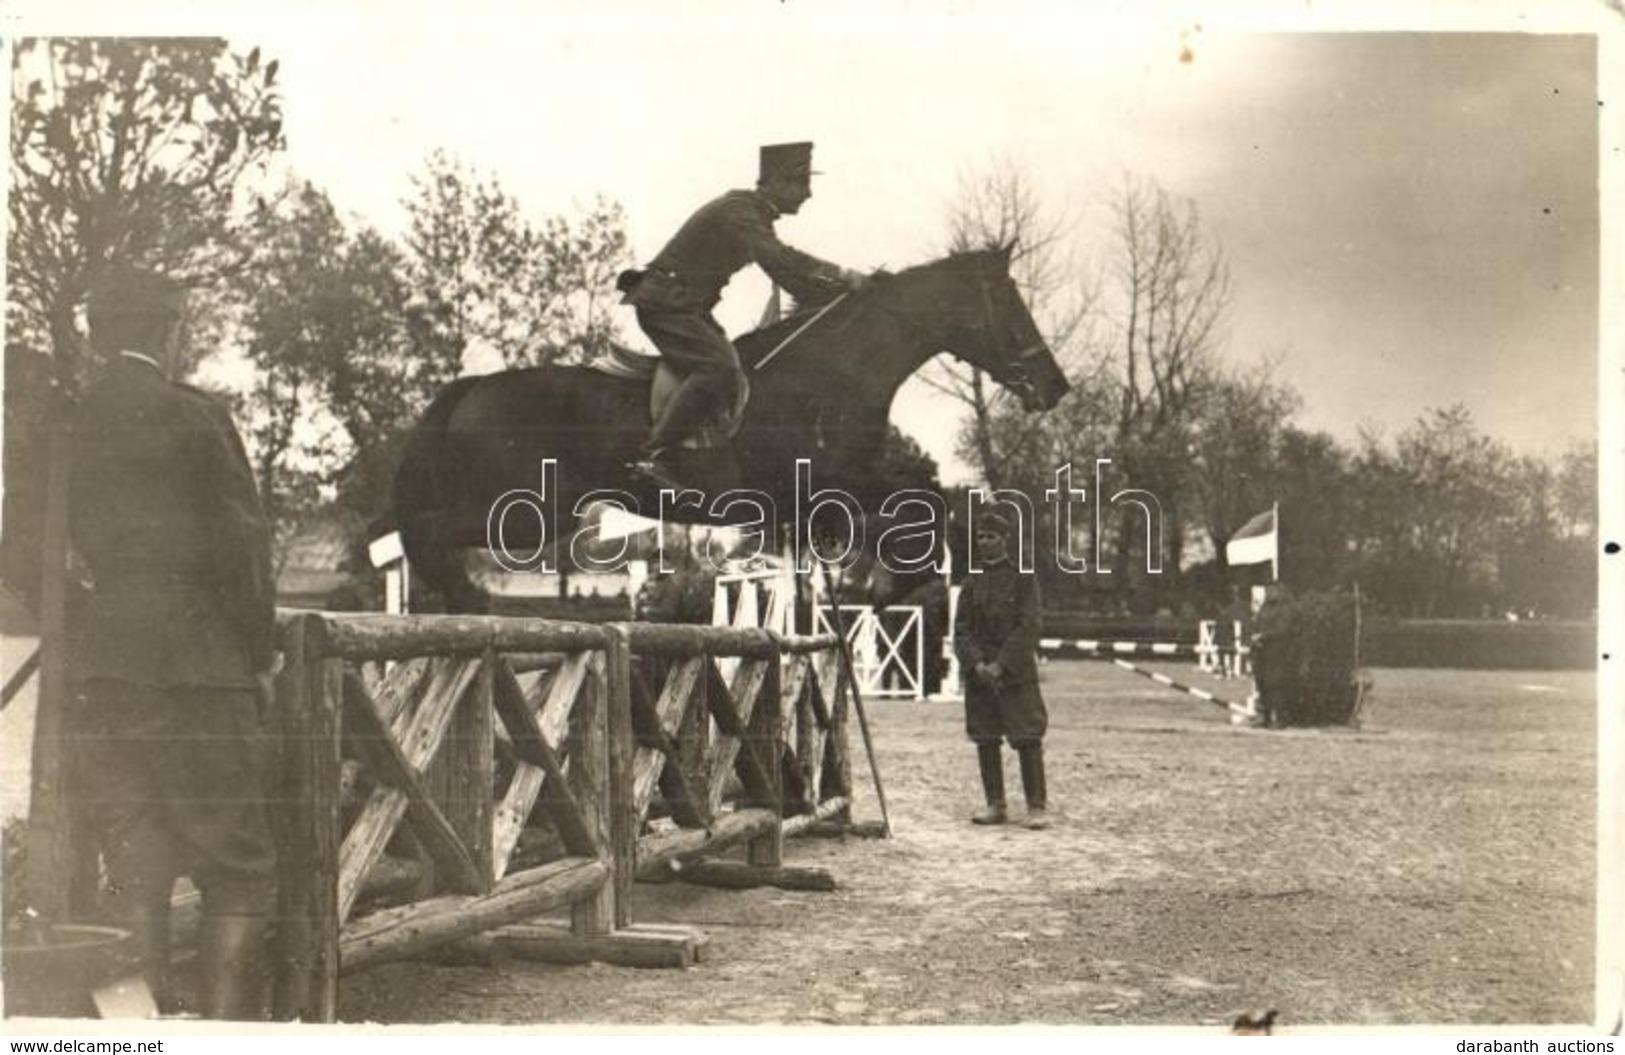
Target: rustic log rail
[
  {"x": 418, "y": 747},
  {"x": 423, "y": 757},
  {"x": 768, "y": 708}
]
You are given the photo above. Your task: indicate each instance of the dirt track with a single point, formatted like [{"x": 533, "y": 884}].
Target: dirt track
[{"x": 1435, "y": 867}]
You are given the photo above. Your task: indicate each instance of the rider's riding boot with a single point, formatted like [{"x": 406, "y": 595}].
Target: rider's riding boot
[
  {"x": 991, "y": 763},
  {"x": 147, "y": 917},
  {"x": 685, "y": 412},
  {"x": 1031, "y": 754},
  {"x": 231, "y": 967},
  {"x": 140, "y": 879}
]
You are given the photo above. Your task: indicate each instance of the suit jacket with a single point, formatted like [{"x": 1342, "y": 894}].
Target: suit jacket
[
  {"x": 998, "y": 621},
  {"x": 722, "y": 237},
  {"x": 162, "y": 507}
]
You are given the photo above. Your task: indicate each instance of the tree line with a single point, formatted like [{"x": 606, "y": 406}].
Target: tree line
[
  {"x": 168, "y": 154},
  {"x": 1438, "y": 520}
]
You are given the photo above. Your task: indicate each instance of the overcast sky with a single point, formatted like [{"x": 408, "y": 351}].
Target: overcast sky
[{"x": 1410, "y": 218}]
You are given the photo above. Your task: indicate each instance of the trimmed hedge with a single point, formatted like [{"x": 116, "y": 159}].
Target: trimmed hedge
[
  {"x": 1479, "y": 644},
  {"x": 1304, "y": 660}
]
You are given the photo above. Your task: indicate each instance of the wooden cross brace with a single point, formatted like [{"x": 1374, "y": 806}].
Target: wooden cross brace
[{"x": 398, "y": 759}]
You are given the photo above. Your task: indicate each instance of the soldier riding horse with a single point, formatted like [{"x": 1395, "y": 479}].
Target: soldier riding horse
[
  {"x": 821, "y": 390},
  {"x": 675, "y": 294}
]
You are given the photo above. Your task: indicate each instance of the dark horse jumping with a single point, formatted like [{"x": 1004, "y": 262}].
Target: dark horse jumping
[{"x": 825, "y": 396}]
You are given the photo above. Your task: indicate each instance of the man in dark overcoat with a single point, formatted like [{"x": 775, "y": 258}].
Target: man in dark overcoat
[
  {"x": 174, "y": 648},
  {"x": 996, "y": 631},
  {"x": 676, "y": 293}
]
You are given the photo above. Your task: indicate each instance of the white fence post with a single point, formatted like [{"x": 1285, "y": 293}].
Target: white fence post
[{"x": 388, "y": 553}]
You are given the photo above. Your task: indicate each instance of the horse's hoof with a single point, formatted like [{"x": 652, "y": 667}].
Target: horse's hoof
[{"x": 659, "y": 474}]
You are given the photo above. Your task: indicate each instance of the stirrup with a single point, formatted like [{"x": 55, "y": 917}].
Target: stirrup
[{"x": 654, "y": 470}]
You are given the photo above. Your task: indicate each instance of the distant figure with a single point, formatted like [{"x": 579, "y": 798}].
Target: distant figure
[
  {"x": 1254, "y": 1024},
  {"x": 996, "y": 639},
  {"x": 174, "y": 649},
  {"x": 675, "y": 294}
]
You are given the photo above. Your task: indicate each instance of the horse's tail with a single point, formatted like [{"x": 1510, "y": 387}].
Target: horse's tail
[
  {"x": 422, "y": 482},
  {"x": 426, "y": 490}
]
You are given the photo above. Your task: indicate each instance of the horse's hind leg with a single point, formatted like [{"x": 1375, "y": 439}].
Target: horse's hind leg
[{"x": 437, "y": 560}]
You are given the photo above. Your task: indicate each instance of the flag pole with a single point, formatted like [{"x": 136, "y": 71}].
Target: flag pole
[{"x": 1275, "y": 557}]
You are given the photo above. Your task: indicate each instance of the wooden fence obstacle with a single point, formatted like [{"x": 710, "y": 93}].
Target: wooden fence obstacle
[
  {"x": 420, "y": 744},
  {"x": 777, "y": 719},
  {"x": 421, "y": 754},
  {"x": 887, "y": 646}
]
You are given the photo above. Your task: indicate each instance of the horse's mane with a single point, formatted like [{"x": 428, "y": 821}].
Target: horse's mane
[{"x": 753, "y": 344}]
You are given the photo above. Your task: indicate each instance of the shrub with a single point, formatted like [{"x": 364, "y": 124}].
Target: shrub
[
  {"x": 14, "y": 894},
  {"x": 1304, "y": 660}
]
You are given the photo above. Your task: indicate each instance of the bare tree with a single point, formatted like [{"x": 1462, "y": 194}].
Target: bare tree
[
  {"x": 998, "y": 207},
  {"x": 1238, "y": 426},
  {"x": 1166, "y": 302}
]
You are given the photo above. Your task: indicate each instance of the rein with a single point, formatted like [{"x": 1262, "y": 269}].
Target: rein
[{"x": 782, "y": 345}]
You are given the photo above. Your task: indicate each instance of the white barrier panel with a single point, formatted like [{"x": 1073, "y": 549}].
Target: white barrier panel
[
  {"x": 1222, "y": 661},
  {"x": 389, "y": 553},
  {"x": 888, "y": 655}
]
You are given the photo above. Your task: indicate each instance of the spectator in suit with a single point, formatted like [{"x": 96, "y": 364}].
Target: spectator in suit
[{"x": 173, "y": 653}]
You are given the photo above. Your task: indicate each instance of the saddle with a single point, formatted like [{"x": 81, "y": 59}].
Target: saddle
[{"x": 629, "y": 365}]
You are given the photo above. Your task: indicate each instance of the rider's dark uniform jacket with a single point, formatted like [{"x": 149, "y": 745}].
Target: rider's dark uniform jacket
[{"x": 723, "y": 236}]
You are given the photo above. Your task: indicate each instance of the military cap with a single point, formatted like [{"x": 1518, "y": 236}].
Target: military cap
[
  {"x": 124, "y": 290},
  {"x": 991, "y": 520},
  {"x": 793, "y": 160},
  {"x": 131, "y": 308}
]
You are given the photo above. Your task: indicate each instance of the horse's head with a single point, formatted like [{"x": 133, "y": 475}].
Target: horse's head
[{"x": 968, "y": 305}]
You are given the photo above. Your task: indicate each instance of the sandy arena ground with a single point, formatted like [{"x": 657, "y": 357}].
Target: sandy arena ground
[{"x": 1436, "y": 866}]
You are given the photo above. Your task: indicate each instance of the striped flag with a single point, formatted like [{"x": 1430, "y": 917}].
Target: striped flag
[
  {"x": 773, "y": 310},
  {"x": 1257, "y": 542}
]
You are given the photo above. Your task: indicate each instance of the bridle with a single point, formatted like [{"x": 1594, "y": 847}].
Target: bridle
[
  {"x": 1019, "y": 381},
  {"x": 1017, "y": 377}
]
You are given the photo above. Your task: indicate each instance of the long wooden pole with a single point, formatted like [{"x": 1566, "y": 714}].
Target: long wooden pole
[
  {"x": 50, "y": 869},
  {"x": 857, "y": 694},
  {"x": 1359, "y": 679},
  {"x": 19, "y": 678}
]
